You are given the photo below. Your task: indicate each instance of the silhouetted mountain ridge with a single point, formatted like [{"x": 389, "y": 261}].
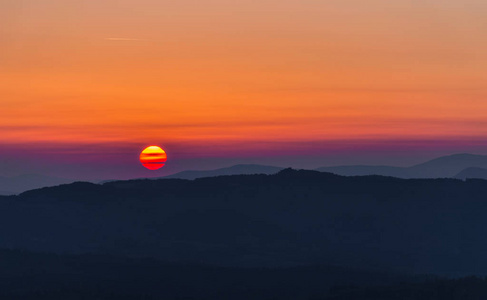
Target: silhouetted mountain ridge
[
  {"x": 291, "y": 218},
  {"x": 361, "y": 170},
  {"x": 442, "y": 167},
  {"x": 241, "y": 169},
  {"x": 479, "y": 173},
  {"x": 22, "y": 183}
]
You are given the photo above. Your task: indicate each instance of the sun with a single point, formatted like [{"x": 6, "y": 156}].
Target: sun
[{"x": 153, "y": 157}]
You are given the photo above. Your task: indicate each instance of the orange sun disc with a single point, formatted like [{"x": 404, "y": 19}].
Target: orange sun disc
[{"x": 153, "y": 157}]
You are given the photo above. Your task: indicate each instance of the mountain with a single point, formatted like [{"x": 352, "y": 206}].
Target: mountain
[
  {"x": 360, "y": 170},
  {"x": 29, "y": 276},
  {"x": 472, "y": 173},
  {"x": 233, "y": 170},
  {"x": 442, "y": 167},
  {"x": 6, "y": 193},
  {"x": 448, "y": 166},
  {"x": 242, "y": 169},
  {"x": 437, "y": 289},
  {"x": 34, "y": 276},
  {"x": 22, "y": 183},
  {"x": 291, "y": 218}
]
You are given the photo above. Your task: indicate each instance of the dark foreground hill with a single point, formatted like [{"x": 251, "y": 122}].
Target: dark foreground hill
[
  {"x": 471, "y": 288},
  {"x": 35, "y": 276},
  {"x": 288, "y": 219},
  {"x": 28, "y": 276}
]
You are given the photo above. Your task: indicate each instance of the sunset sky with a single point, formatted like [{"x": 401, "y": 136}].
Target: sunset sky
[{"x": 86, "y": 85}]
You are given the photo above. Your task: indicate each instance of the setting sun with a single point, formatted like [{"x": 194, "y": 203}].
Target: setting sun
[{"x": 153, "y": 157}]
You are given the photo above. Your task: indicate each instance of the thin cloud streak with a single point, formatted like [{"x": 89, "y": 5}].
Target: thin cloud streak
[
  {"x": 375, "y": 90},
  {"x": 121, "y": 39}
]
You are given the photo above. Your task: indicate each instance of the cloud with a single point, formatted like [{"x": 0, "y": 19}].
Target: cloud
[{"x": 121, "y": 39}]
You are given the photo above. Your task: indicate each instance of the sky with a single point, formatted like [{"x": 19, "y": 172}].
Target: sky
[{"x": 85, "y": 86}]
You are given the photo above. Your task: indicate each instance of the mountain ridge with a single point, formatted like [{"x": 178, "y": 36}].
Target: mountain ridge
[
  {"x": 294, "y": 217},
  {"x": 244, "y": 169},
  {"x": 470, "y": 173},
  {"x": 20, "y": 183},
  {"x": 442, "y": 167}
]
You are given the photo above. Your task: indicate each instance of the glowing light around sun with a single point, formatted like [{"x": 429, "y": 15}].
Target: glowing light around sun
[{"x": 153, "y": 157}]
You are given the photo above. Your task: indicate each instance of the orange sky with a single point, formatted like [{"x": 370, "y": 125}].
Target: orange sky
[{"x": 199, "y": 72}]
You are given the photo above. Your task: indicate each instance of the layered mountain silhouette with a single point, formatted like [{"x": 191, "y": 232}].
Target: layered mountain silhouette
[
  {"x": 6, "y": 193},
  {"x": 442, "y": 167},
  {"x": 22, "y": 183},
  {"x": 472, "y": 173},
  {"x": 362, "y": 170},
  {"x": 286, "y": 219},
  {"x": 243, "y": 169}
]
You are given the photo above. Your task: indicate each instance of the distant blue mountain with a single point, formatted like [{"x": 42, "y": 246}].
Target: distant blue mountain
[
  {"x": 442, "y": 167},
  {"x": 366, "y": 170},
  {"x": 478, "y": 173},
  {"x": 448, "y": 166},
  {"x": 233, "y": 170},
  {"x": 22, "y": 183},
  {"x": 6, "y": 193}
]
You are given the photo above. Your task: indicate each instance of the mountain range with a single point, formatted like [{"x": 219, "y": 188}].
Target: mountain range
[
  {"x": 442, "y": 167},
  {"x": 242, "y": 169},
  {"x": 286, "y": 219},
  {"x": 22, "y": 183},
  {"x": 472, "y": 173},
  {"x": 295, "y": 234},
  {"x": 452, "y": 166},
  {"x": 459, "y": 166}
]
